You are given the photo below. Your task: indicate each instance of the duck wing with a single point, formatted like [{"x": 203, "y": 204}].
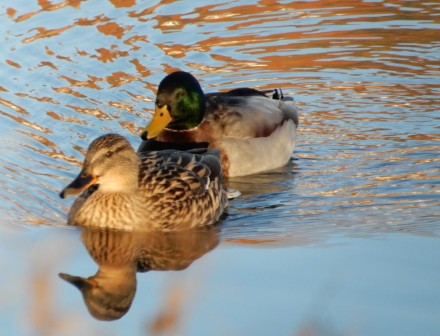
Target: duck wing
[
  {"x": 243, "y": 113},
  {"x": 178, "y": 174}
]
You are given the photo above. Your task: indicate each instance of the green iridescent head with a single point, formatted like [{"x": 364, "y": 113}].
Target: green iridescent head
[{"x": 180, "y": 104}]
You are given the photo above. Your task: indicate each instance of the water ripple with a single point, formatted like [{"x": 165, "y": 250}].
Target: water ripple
[{"x": 365, "y": 76}]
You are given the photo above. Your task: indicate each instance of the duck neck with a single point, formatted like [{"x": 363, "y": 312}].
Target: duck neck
[
  {"x": 120, "y": 184},
  {"x": 125, "y": 180}
]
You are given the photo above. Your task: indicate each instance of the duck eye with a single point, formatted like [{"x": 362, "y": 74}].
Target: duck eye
[
  {"x": 83, "y": 175},
  {"x": 109, "y": 154}
]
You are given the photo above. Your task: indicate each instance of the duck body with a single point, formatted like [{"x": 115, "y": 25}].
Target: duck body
[
  {"x": 167, "y": 190},
  {"x": 253, "y": 132}
]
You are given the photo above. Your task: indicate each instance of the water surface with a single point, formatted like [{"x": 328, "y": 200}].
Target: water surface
[{"x": 343, "y": 240}]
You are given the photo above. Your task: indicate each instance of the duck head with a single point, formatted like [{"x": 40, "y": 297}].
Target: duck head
[
  {"x": 180, "y": 105},
  {"x": 111, "y": 163}
]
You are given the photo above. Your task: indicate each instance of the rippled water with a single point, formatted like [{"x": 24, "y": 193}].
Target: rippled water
[{"x": 366, "y": 78}]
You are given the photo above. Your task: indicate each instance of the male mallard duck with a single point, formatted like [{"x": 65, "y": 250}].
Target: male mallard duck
[
  {"x": 167, "y": 190},
  {"x": 253, "y": 132}
]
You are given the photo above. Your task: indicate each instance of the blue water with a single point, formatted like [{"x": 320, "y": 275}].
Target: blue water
[{"x": 343, "y": 240}]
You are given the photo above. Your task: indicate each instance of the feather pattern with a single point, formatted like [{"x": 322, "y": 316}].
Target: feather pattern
[
  {"x": 166, "y": 190},
  {"x": 245, "y": 124}
]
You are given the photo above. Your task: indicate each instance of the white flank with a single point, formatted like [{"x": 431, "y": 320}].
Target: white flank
[{"x": 253, "y": 155}]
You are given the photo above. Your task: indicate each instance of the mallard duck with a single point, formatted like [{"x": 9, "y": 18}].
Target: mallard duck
[
  {"x": 253, "y": 132},
  {"x": 120, "y": 255},
  {"x": 167, "y": 190}
]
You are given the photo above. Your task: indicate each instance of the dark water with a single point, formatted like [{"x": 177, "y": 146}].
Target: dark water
[{"x": 342, "y": 241}]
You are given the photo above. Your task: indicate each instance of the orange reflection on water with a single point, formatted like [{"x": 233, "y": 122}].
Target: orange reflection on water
[
  {"x": 46, "y": 33},
  {"x": 48, "y": 64},
  {"x": 120, "y": 78},
  {"x": 13, "y": 106},
  {"x": 46, "y": 6},
  {"x": 113, "y": 29},
  {"x": 406, "y": 176},
  {"x": 90, "y": 111},
  {"x": 66, "y": 118},
  {"x": 99, "y": 58},
  {"x": 140, "y": 68},
  {"x": 123, "y": 3},
  {"x": 14, "y": 64},
  {"x": 91, "y": 83},
  {"x": 69, "y": 91}
]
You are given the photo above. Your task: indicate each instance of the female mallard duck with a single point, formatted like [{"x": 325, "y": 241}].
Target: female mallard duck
[
  {"x": 253, "y": 132},
  {"x": 120, "y": 254},
  {"x": 167, "y": 190}
]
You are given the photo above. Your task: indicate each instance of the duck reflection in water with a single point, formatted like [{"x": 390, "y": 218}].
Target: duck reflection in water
[{"x": 120, "y": 255}]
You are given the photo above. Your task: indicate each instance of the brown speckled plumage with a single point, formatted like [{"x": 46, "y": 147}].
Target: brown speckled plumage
[
  {"x": 166, "y": 190},
  {"x": 120, "y": 255}
]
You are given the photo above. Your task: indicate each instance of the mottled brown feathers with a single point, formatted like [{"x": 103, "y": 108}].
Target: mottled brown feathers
[{"x": 172, "y": 190}]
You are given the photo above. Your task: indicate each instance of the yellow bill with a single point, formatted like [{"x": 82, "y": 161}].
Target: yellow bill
[{"x": 161, "y": 119}]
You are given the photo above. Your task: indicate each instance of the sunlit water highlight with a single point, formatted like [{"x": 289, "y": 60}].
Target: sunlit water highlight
[{"x": 366, "y": 78}]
